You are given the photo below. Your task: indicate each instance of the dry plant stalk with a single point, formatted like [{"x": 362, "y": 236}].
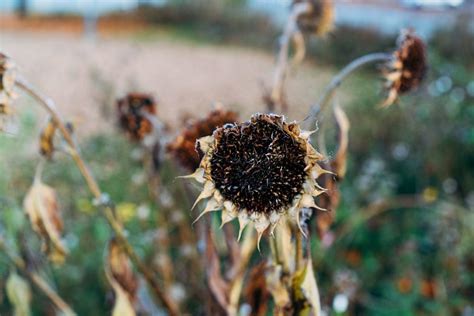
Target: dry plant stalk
[
  {"x": 276, "y": 99},
  {"x": 101, "y": 198}
]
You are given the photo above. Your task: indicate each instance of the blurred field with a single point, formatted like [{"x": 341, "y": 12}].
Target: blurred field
[{"x": 84, "y": 76}]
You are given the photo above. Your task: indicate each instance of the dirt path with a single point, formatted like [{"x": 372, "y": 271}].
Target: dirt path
[{"x": 84, "y": 77}]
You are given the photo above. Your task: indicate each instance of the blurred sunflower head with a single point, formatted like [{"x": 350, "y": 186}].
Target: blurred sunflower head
[
  {"x": 319, "y": 20},
  {"x": 259, "y": 171},
  {"x": 407, "y": 68},
  {"x": 132, "y": 111},
  {"x": 7, "y": 82},
  {"x": 183, "y": 147}
]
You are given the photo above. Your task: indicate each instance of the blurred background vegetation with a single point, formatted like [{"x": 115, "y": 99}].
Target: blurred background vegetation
[{"x": 403, "y": 239}]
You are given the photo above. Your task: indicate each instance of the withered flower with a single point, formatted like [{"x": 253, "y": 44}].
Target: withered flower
[
  {"x": 407, "y": 68},
  {"x": 319, "y": 20},
  {"x": 7, "y": 82},
  {"x": 258, "y": 171},
  {"x": 131, "y": 115},
  {"x": 183, "y": 146}
]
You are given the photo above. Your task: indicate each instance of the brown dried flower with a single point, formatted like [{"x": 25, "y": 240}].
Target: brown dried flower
[
  {"x": 132, "y": 110},
  {"x": 183, "y": 147},
  {"x": 258, "y": 171},
  {"x": 320, "y": 20},
  {"x": 407, "y": 68}
]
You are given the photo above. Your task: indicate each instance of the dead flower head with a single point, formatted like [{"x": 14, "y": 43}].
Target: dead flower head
[
  {"x": 319, "y": 20},
  {"x": 183, "y": 147},
  {"x": 132, "y": 110},
  {"x": 407, "y": 68},
  {"x": 258, "y": 171}
]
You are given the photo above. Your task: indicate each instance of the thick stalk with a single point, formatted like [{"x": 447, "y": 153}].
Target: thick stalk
[
  {"x": 94, "y": 188},
  {"x": 40, "y": 283}
]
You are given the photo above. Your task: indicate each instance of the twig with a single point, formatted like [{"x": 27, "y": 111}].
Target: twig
[
  {"x": 281, "y": 68},
  {"x": 107, "y": 208},
  {"x": 319, "y": 108},
  {"x": 38, "y": 281}
]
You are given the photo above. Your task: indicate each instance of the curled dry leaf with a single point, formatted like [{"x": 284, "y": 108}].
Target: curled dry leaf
[
  {"x": 42, "y": 208},
  {"x": 331, "y": 199},
  {"x": 19, "y": 294},
  {"x": 124, "y": 282},
  {"x": 46, "y": 142},
  {"x": 218, "y": 286},
  {"x": 256, "y": 292}
]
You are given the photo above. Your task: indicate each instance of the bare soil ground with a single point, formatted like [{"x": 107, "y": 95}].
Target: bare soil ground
[{"x": 85, "y": 76}]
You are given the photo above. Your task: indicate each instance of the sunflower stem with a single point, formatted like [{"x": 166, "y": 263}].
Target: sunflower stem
[
  {"x": 281, "y": 68},
  {"x": 318, "y": 109},
  {"x": 93, "y": 186}
]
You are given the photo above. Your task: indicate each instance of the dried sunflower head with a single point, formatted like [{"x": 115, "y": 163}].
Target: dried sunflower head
[
  {"x": 320, "y": 20},
  {"x": 131, "y": 115},
  {"x": 407, "y": 68},
  {"x": 258, "y": 171},
  {"x": 183, "y": 146}
]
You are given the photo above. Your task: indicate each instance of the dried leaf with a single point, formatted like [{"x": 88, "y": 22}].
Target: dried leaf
[
  {"x": 46, "y": 141},
  {"x": 218, "y": 286},
  {"x": 331, "y": 199},
  {"x": 19, "y": 294},
  {"x": 277, "y": 287},
  {"x": 124, "y": 282},
  {"x": 307, "y": 289},
  {"x": 256, "y": 292},
  {"x": 340, "y": 160},
  {"x": 42, "y": 209}
]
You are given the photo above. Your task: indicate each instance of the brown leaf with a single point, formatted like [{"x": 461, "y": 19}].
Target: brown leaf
[
  {"x": 47, "y": 139},
  {"x": 42, "y": 209},
  {"x": 218, "y": 286},
  {"x": 331, "y": 199},
  {"x": 256, "y": 292},
  {"x": 122, "y": 279}
]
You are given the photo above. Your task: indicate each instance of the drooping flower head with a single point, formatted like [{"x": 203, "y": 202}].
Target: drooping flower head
[
  {"x": 318, "y": 21},
  {"x": 258, "y": 171},
  {"x": 407, "y": 68},
  {"x": 131, "y": 115},
  {"x": 183, "y": 146}
]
